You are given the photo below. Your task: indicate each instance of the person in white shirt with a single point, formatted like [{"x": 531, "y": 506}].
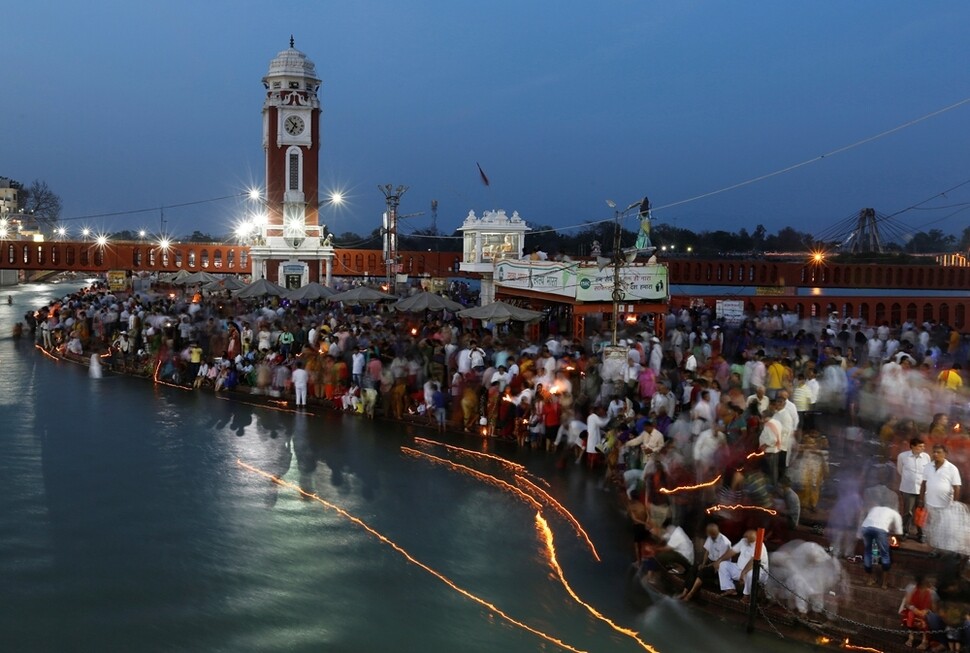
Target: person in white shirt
[
  {"x": 656, "y": 354},
  {"x": 650, "y": 441},
  {"x": 300, "y": 380},
  {"x": 787, "y": 415},
  {"x": 910, "y": 465},
  {"x": 941, "y": 495},
  {"x": 941, "y": 481},
  {"x": 677, "y": 550},
  {"x": 760, "y": 397},
  {"x": 594, "y": 432},
  {"x": 758, "y": 372},
  {"x": 716, "y": 547},
  {"x": 663, "y": 398},
  {"x": 572, "y": 434},
  {"x": 729, "y": 572},
  {"x": 876, "y": 527},
  {"x": 770, "y": 442}
]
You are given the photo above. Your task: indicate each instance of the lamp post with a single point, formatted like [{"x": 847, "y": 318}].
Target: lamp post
[
  {"x": 619, "y": 259},
  {"x": 393, "y": 199}
]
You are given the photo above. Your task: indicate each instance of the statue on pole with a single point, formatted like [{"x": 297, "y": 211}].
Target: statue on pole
[{"x": 643, "y": 237}]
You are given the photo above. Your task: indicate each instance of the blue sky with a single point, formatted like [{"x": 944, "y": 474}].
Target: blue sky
[{"x": 124, "y": 105}]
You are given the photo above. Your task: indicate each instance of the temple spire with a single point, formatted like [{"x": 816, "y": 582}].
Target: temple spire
[{"x": 291, "y": 40}]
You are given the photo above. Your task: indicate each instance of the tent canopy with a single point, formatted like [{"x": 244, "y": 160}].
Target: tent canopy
[
  {"x": 312, "y": 290},
  {"x": 361, "y": 295},
  {"x": 228, "y": 283},
  {"x": 261, "y": 288},
  {"x": 196, "y": 277},
  {"x": 499, "y": 312},
  {"x": 426, "y": 301}
]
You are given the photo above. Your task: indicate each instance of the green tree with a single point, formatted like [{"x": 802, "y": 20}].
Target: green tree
[{"x": 201, "y": 237}]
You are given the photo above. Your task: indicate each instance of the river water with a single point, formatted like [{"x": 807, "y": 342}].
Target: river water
[{"x": 127, "y": 524}]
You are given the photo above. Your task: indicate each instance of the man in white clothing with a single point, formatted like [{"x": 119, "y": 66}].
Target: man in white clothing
[
  {"x": 300, "y": 380},
  {"x": 716, "y": 547},
  {"x": 729, "y": 572},
  {"x": 910, "y": 465},
  {"x": 940, "y": 489},
  {"x": 650, "y": 441},
  {"x": 595, "y": 423},
  {"x": 876, "y": 527},
  {"x": 770, "y": 442}
]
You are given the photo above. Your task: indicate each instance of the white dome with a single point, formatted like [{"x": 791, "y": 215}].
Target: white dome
[{"x": 292, "y": 63}]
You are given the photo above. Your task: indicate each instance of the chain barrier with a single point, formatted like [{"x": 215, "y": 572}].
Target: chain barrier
[
  {"x": 770, "y": 623},
  {"x": 835, "y": 615}
]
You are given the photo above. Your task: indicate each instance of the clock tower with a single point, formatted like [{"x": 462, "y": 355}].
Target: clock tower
[{"x": 289, "y": 249}]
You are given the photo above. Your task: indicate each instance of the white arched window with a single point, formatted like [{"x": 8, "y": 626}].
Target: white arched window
[{"x": 294, "y": 169}]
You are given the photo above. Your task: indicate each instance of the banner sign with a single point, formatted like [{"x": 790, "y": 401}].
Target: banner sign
[
  {"x": 730, "y": 310},
  {"x": 541, "y": 276},
  {"x": 637, "y": 283},
  {"x": 586, "y": 284},
  {"x": 117, "y": 280}
]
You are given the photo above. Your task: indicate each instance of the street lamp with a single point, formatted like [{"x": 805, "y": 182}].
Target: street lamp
[
  {"x": 85, "y": 232},
  {"x": 619, "y": 258},
  {"x": 142, "y": 234}
]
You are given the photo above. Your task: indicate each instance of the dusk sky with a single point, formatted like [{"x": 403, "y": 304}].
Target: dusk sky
[{"x": 129, "y": 105}]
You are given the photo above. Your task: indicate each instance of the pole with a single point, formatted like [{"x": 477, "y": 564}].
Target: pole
[
  {"x": 755, "y": 573},
  {"x": 616, "y": 274},
  {"x": 393, "y": 199}
]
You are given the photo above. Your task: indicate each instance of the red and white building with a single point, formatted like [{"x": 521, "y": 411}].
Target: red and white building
[{"x": 289, "y": 248}]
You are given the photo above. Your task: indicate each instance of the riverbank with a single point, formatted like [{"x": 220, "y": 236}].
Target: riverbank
[{"x": 773, "y": 620}]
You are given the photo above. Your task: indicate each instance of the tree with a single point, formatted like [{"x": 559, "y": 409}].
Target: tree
[
  {"x": 41, "y": 202},
  {"x": 932, "y": 242},
  {"x": 964, "y": 244},
  {"x": 201, "y": 237}
]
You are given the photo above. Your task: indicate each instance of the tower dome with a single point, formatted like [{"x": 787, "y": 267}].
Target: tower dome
[{"x": 291, "y": 63}]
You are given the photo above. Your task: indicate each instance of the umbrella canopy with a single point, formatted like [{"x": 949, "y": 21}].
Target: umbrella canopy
[
  {"x": 361, "y": 295},
  {"x": 312, "y": 290},
  {"x": 426, "y": 301},
  {"x": 261, "y": 288},
  {"x": 500, "y": 312},
  {"x": 174, "y": 277},
  {"x": 196, "y": 277},
  {"x": 228, "y": 283}
]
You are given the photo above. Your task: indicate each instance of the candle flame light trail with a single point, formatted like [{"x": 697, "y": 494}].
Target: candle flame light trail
[
  {"x": 488, "y": 478},
  {"x": 46, "y": 353},
  {"x": 754, "y": 454},
  {"x": 515, "y": 467},
  {"x": 688, "y": 488},
  {"x": 545, "y": 534},
  {"x": 407, "y": 556},
  {"x": 558, "y": 507},
  {"x": 157, "y": 380},
  {"x": 852, "y": 647},
  {"x": 740, "y": 507}
]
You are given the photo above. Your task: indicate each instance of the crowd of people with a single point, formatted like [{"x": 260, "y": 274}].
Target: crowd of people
[{"x": 713, "y": 430}]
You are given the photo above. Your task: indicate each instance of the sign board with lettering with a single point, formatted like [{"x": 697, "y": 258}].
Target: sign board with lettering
[
  {"x": 637, "y": 283},
  {"x": 730, "y": 310},
  {"x": 541, "y": 276},
  {"x": 117, "y": 280}
]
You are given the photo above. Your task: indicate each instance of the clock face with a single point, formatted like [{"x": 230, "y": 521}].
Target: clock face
[{"x": 293, "y": 125}]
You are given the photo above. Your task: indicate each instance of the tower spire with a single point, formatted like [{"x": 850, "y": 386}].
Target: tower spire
[{"x": 291, "y": 40}]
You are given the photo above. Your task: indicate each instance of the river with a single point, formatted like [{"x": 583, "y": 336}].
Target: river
[{"x": 128, "y": 524}]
